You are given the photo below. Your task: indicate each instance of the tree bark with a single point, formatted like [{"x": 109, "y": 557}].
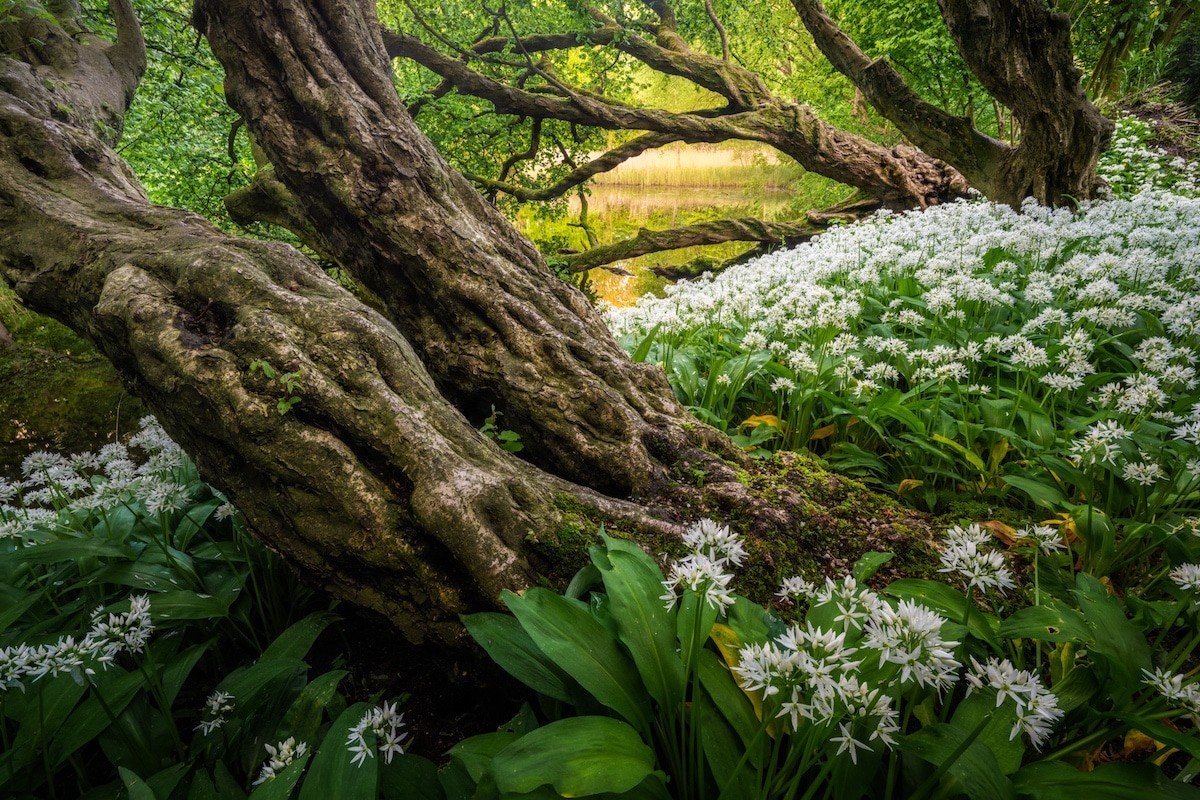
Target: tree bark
[
  {"x": 373, "y": 484},
  {"x": 484, "y": 312},
  {"x": 1020, "y": 50}
]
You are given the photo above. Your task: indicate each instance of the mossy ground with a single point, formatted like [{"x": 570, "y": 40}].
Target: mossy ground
[{"x": 56, "y": 392}]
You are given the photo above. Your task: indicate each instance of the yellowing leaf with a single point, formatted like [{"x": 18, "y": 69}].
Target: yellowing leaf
[
  {"x": 1003, "y": 532},
  {"x": 908, "y": 484},
  {"x": 824, "y": 432},
  {"x": 762, "y": 419}
]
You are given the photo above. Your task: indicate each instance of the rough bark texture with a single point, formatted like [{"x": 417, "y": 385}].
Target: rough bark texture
[
  {"x": 373, "y": 484},
  {"x": 1020, "y": 50},
  {"x": 476, "y": 300}
]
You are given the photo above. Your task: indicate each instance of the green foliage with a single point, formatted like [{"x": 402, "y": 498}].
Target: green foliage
[
  {"x": 509, "y": 441},
  {"x": 131, "y": 592},
  {"x": 286, "y": 382},
  {"x": 857, "y": 695}
]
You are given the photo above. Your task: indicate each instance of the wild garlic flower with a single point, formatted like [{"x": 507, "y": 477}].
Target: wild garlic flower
[
  {"x": 1099, "y": 444},
  {"x": 280, "y": 756},
  {"x": 1037, "y": 708},
  {"x": 965, "y": 554},
  {"x": 910, "y": 636},
  {"x": 1172, "y": 686},
  {"x": 854, "y": 604},
  {"x": 1187, "y": 577},
  {"x": 708, "y": 538},
  {"x": 387, "y": 728},
  {"x": 796, "y": 589},
  {"x": 702, "y": 575},
  {"x": 108, "y": 637},
  {"x": 1045, "y": 537},
  {"x": 216, "y": 707},
  {"x": 1145, "y": 473}
]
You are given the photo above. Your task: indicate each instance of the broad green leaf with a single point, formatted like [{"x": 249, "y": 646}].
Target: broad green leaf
[
  {"x": 577, "y": 756},
  {"x": 1054, "y": 780},
  {"x": 303, "y": 719},
  {"x": 644, "y": 625},
  {"x": 135, "y": 786},
  {"x": 723, "y": 750},
  {"x": 476, "y": 753},
  {"x": 410, "y": 777},
  {"x": 583, "y": 648},
  {"x": 296, "y": 641},
  {"x": 870, "y": 563},
  {"x": 1041, "y": 492},
  {"x": 332, "y": 776},
  {"x": 503, "y": 638},
  {"x": 975, "y": 769}
]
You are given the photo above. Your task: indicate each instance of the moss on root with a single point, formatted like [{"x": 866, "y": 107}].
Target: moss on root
[
  {"x": 57, "y": 392},
  {"x": 796, "y": 516}
]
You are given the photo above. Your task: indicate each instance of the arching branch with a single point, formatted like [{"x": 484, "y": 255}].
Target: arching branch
[
  {"x": 584, "y": 172},
  {"x": 718, "y": 231},
  {"x": 1020, "y": 50}
]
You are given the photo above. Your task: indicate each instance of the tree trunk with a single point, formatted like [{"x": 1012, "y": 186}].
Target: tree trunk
[
  {"x": 373, "y": 484},
  {"x": 486, "y": 315},
  {"x": 1020, "y": 50}
]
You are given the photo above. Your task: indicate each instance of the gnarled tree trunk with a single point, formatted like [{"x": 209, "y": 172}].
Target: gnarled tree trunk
[{"x": 374, "y": 484}]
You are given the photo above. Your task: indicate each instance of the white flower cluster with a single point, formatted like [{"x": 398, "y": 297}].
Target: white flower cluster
[
  {"x": 216, "y": 707},
  {"x": 972, "y": 303},
  {"x": 1132, "y": 164},
  {"x": 386, "y": 726},
  {"x": 94, "y": 482},
  {"x": 1045, "y": 537},
  {"x": 815, "y": 673},
  {"x": 1175, "y": 688},
  {"x": 966, "y": 553},
  {"x": 910, "y": 635},
  {"x": 705, "y": 570},
  {"x": 279, "y": 757},
  {"x": 1037, "y": 708},
  {"x": 1187, "y": 577},
  {"x": 109, "y": 636}
]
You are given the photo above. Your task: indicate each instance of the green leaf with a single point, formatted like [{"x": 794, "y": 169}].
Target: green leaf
[
  {"x": 723, "y": 749},
  {"x": 644, "y": 625},
  {"x": 583, "y": 648},
  {"x": 296, "y": 641},
  {"x": 1053, "y": 621},
  {"x": 476, "y": 753},
  {"x": 303, "y": 719},
  {"x": 870, "y": 563},
  {"x": 135, "y": 786},
  {"x": 576, "y": 756},
  {"x": 975, "y": 769},
  {"x": 410, "y": 777},
  {"x": 1043, "y": 494},
  {"x": 503, "y": 638},
  {"x": 186, "y": 605},
  {"x": 1054, "y": 780},
  {"x": 332, "y": 776}
]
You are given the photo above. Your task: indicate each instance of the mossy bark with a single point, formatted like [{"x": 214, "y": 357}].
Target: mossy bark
[{"x": 374, "y": 484}]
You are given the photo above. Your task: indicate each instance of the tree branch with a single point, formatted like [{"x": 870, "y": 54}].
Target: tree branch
[
  {"x": 582, "y": 173},
  {"x": 128, "y": 53},
  {"x": 950, "y": 138},
  {"x": 744, "y": 229}
]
